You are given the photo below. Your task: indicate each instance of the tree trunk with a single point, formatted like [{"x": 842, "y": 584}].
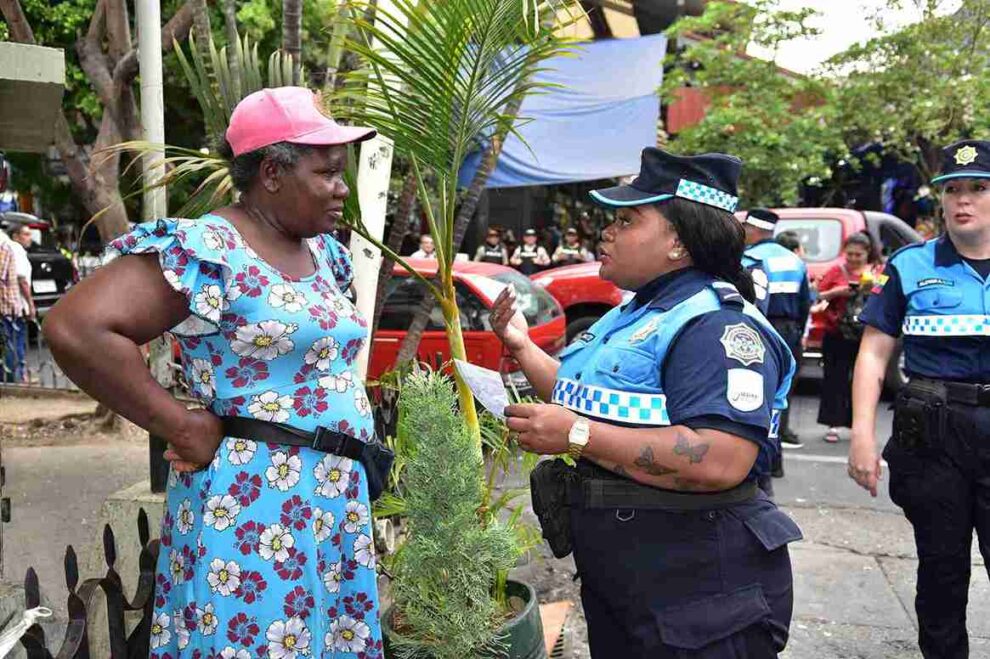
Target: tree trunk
[
  {"x": 396, "y": 234},
  {"x": 107, "y": 56},
  {"x": 469, "y": 204},
  {"x": 230, "y": 29},
  {"x": 292, "y": 34},
  {"x": 201, "y": 27}
]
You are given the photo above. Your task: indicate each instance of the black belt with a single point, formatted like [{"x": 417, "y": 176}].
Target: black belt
[
  {"x": 611, "y": 493},
  {"x": 324, "y": 439},
  {"x": 953, "y": 392},
  {"x": 376, "y": 457}
]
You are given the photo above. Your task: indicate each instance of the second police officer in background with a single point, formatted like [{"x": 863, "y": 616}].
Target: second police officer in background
[
  {"x": 937, "y": 295},
  {"x": 666, "y": 403},
  {"x": 789, "y": 296}
]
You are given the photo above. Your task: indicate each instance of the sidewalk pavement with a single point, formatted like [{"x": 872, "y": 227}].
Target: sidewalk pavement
[{"x": 854, "y": 576}]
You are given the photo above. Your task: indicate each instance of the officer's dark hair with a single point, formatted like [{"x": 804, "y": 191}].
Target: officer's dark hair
[
  {"x": 245, "y": 167},
  {"x": 714, "y": 238},
  {"x": 862, "y": 239},
  {"x": 788, "y": 239}
]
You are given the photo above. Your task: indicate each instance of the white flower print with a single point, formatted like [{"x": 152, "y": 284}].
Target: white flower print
[
  {"x": 172, "y": 279},
  {"x": 283, "y": 295},
  {"x": 339, "y": 383},
  {"x": 322, "y": 524},
  {"x": 176, "y": 565},
  {"x": 213, "y": 240},
  {"x": 355, "y": 516},
  {"x": 240, "y": 451},
  {"x": 289, "y": 639},
  {"x": 333, "y": 577},
  {"x": 181, "y": 633},
  {"x": 185, "y": 517},
  {"x": 265, "y": 340},
  {"x": 361, "y": 402},
  {"x": 203, "y": 378},
  {"x": 284, "y": 471},
  {"x": 221, "y": 512},
  {"x": 206, "y": 620},
  {"x": 275, "y": 542},
  {"x": 224, "y": 577},
  {"x": 269, "y": 406},
  {"x": 230, "y": 653},
  {"x": 333, "y": 474},
  {"x": 160, "y": 635},
  {"x": 364, "y": 551},
  {"x": 322, "y": 352},
  {"x": 347, "y": 634},
  {"x": 210, "y": 302},
  {"x": 340, "y": 306}
]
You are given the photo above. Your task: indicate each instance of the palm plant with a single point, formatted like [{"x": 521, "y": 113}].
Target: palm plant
[{"x": 438, "y": 78}]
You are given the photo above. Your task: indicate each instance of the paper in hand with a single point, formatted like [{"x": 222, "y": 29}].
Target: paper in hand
[{"x": 486, "y": 385}]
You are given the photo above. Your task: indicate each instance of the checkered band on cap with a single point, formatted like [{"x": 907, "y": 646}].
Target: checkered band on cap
[
  {"x": 611, "y": 404},
  {"x": 958, "y": 325},
  {"x": 706, "y": 195}
]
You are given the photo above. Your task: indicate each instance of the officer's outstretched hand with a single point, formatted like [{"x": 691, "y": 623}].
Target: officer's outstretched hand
[
  {"x": 508, "y": 323},
  {"x": 541, "y": 428},
  {"x": 864, "y": 462}
]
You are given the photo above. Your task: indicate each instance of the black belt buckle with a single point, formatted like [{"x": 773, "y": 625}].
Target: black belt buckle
[{"x": 326, "y": 440}]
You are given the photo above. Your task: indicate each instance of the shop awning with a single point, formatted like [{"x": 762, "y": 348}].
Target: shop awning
[{"x": 591, "y": 127}]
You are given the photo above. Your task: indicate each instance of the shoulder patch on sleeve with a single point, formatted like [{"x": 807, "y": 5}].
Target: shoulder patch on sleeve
[
  {"x": 743, "y": 343},
  {"x": 744, "y": 390}
]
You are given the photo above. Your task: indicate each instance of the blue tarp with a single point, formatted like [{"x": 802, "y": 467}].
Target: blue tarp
[{"x": 593, "y": 126}]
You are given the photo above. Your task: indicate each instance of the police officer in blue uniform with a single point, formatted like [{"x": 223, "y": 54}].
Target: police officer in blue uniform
[
  {"x": 666, "y": 403},
  {"x": 937, "y": 296},
  {"x": 789, "y": 294}
]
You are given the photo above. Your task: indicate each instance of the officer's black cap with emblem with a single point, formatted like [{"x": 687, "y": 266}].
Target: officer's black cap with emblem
[
  {"x": 965, "y": 159},
  {"x": 762, "y": 218},
  {"x": 710, "y": 178}
]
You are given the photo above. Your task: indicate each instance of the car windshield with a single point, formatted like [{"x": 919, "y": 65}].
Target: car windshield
[
  {"x": 535, "y": 303},
  {"x": 821, "y": 237}
]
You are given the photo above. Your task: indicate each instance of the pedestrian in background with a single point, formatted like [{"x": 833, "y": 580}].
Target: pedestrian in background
[
  {"x": 791, "y": 241},
  {"x": 571, "y": 251},
  {"x": 427, "y": 250},
  {"x": 492, "y": 250},
  {"x": 11, "y": 320},
  {"x": 666, "y": 404},
  {"x": 934, "y": 294},
  {"x": 530, "y": 257},
  {"x": 21, "y": 240},
  {"x": 841, "y": 284}
]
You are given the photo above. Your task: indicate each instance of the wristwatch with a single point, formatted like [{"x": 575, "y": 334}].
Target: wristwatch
[{"x": 578, "y": 437}]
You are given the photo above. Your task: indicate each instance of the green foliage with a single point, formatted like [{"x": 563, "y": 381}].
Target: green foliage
[
  {"x": 919, "y": 88},
  {"x": 447, "y": 570},
  {"x": 781, "y": 124},
  {"x": 262, "y": 21}
]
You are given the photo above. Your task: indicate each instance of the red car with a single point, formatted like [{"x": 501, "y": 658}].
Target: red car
[
  {"x": 584, "y": 295},
  {"x": 477, "y": 285}
]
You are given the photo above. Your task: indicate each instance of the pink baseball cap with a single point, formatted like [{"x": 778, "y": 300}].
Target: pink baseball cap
[{"x": 287, "y": 114}]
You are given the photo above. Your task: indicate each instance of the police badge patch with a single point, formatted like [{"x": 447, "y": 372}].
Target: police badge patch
[
  {"x": 743, "y": 343},
  {"x": 966, "y": 155}
]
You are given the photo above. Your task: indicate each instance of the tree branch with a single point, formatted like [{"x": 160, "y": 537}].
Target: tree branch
[{"x": 20, "y": 29}]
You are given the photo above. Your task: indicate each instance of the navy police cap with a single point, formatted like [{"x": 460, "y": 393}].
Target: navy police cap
[
  {"x": 762, "y": 218},
  {"x": 710, "y": 178},
  {"x": 965, "y": 159}
]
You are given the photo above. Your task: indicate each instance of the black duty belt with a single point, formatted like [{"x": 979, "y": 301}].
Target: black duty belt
[
  {"x": 612, "y": 493},
  {"x": 952, "y": 392},
  {"x": 376, "y": 458}
]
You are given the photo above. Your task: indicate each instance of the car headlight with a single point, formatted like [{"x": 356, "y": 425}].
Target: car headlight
[{"x": 516, "y": 379}]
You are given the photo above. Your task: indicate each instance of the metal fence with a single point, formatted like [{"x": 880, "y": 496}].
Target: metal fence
[{"x": 83, "y": 598}]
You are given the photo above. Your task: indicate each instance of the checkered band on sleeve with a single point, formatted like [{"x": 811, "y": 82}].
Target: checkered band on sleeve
[
  {"x": 706, "y": 195},
  {"x": 958, "y": 325},
  {"x": 610, "y": 404}
]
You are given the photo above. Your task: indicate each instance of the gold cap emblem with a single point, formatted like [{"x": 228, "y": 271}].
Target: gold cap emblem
[{"x": 965, "y": 155}]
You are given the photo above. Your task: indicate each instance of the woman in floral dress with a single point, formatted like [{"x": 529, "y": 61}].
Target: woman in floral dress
[{"x": 266, "y": 549}]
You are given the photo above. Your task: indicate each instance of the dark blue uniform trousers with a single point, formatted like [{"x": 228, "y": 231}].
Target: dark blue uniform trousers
[
  {"x": 711, "y": 584},
  {"x": 944, "y": 490}
]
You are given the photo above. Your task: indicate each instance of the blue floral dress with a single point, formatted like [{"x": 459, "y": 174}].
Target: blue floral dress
[{"x": 268, "y": 552}]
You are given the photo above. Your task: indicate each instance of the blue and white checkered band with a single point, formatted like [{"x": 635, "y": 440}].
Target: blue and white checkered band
[
  {"x": 706, "y": 195},
  {"x": 774, "y": 424},
  {"x": 611, "y": 404},
  {"x": 961, "y": 325}
]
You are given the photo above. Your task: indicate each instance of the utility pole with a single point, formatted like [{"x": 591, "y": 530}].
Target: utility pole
[{"x": 149, "y": 25}]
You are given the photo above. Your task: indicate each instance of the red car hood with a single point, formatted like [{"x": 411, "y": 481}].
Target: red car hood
[{"x": 576, "y": 271}]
